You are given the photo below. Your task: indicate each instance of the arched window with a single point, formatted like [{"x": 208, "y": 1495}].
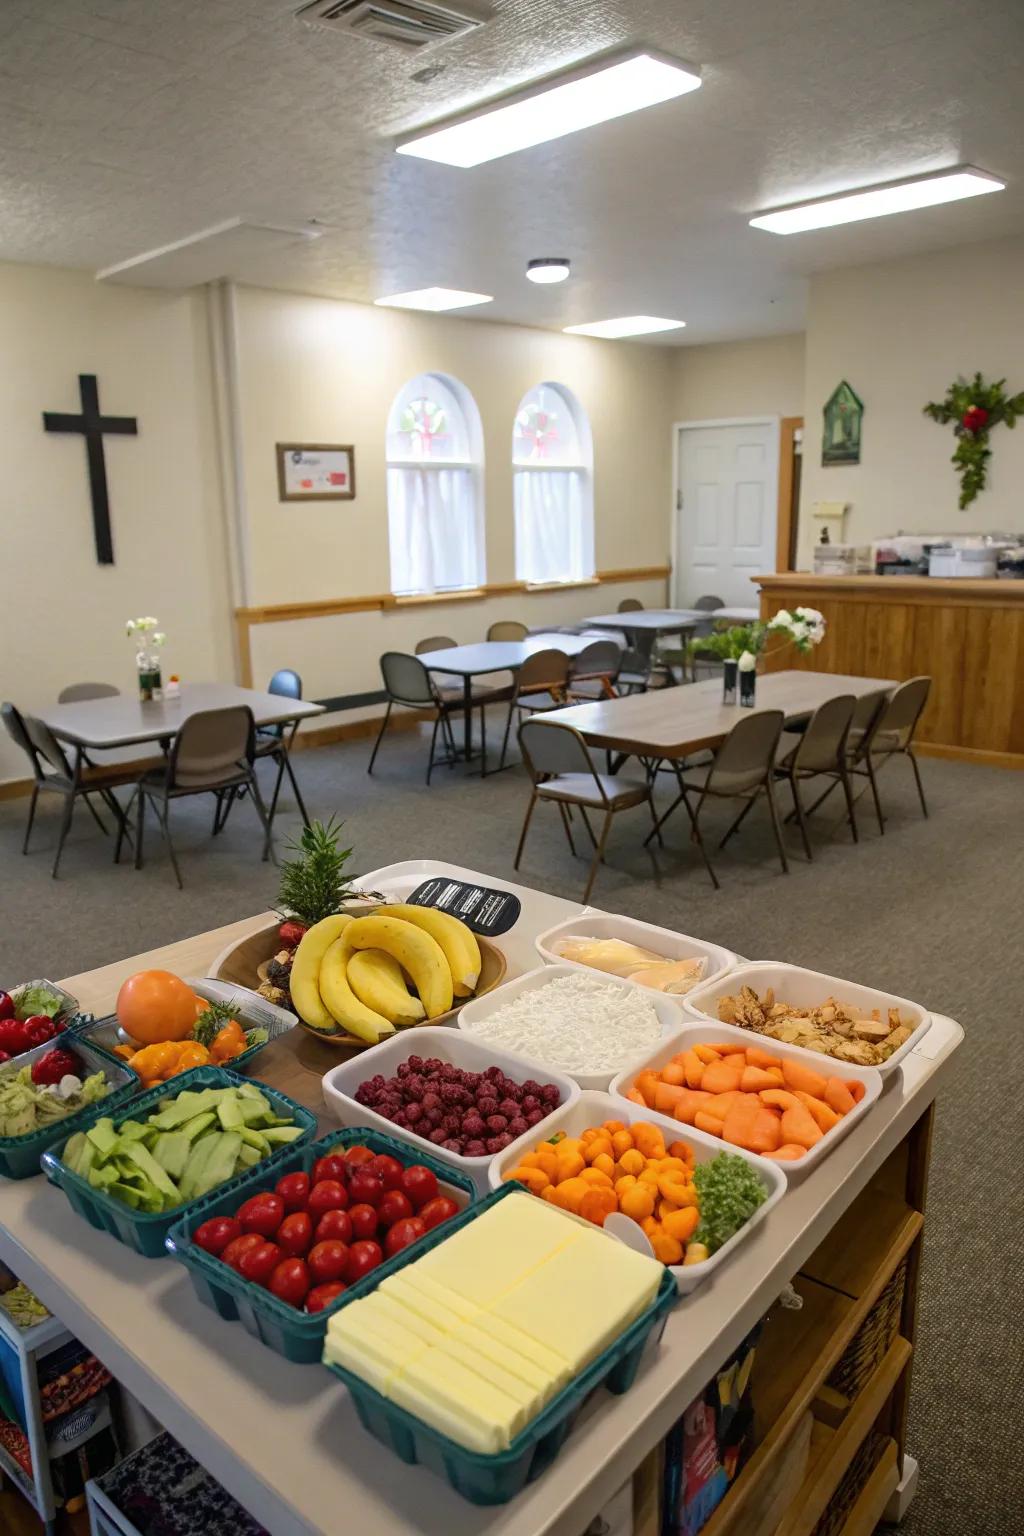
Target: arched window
[
  {"x": 553, "y": 485},
  {"x": 435, "y": 503}
]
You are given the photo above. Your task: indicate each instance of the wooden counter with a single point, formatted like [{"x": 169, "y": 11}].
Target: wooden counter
[{"x": 968, "y": 636}]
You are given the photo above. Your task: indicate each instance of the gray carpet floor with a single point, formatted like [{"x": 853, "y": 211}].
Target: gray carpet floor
[{"x": 932, "y": 910}]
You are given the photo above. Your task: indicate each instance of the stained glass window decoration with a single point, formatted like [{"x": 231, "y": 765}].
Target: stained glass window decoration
[
  {"x": 545, "y": 430},
  {"x": 553, "y": 490}
]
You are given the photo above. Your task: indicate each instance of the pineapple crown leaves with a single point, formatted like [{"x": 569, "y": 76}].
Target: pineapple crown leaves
[{"x": 314, "y": 884}]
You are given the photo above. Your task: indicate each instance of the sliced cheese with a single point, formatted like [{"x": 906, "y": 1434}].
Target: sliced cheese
[
  {"x": 520, "y": 1343},
  {"x": 491, "y": 1352},
  {"x": 377, "y": 1308},
  {"x": 458, "y": 1402},
  {"x": 437, "y": 1303},
  {"x": 493, "y": 1253},
  {"x": 529, "y": 1398},
  {"x": 377, "y": 1360}
]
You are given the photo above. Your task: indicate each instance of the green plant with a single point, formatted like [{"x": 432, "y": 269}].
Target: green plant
[
  {"x": 975, "y": 408},
  {"x": 730, "y": 644},
  {"x": 314, "y": 884}
]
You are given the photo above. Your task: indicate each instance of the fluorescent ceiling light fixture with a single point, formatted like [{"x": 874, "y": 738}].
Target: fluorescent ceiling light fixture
[
  {"x": 893, "y": 197},
  {"x": 595, "y": 93},
  {"x": 629, "y": 325},
  {"x": 548, "y": 269},
  {"x": 435, "y": 299}
]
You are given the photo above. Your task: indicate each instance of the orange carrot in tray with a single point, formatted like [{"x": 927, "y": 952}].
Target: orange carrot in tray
[
  {"x": 837, "y": 1096},
  {"x": 719, "y": 1077},
  {"x": 798, "y": 1126},
  {"x": 789, "y": 1153},
  {"x": 823, "y": 1116},
  {"x": 797, "y": 1075}
]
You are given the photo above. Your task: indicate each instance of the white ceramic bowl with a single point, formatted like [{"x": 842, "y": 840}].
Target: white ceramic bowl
[
  {"x": 807, "y": 989},
  {"x": 701, "y": 1033},
  {"x": 341, "y": 1083},
  {"x": 670, "y": 1016},
  {"x": 592, "y": 1108},
  {"x": 662, "y": 941}
]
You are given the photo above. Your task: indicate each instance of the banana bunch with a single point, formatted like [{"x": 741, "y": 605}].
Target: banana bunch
[{"x": 353, "y": 974}]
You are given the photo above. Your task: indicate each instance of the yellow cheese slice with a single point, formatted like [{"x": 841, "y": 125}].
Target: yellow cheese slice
[
  {"x": 490, "y": 1352},
  {"x": 531, "y": 1399},
  {"x": 515, "y": 1339},
  {"x": 375, "y": 1359},
  {"x": 378, "y": 1307},
  {"x": 458, "y": 1402},
  {"x": 493, "y": 1253},
  {"x": 435, "y": 1302}
]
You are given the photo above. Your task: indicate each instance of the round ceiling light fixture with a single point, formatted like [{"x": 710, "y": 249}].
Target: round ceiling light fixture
[{"x": 548, "y": 269}]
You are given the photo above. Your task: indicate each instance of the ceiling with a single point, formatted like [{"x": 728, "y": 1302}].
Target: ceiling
[{"x": 126, "y": 125}]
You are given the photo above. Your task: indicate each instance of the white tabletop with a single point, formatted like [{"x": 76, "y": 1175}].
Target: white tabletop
[
  {"x": 734, "y": 615},
  {"x": 500, "y": 655},
  {"x": 663, "y": 621},
  {"x": 285, "y": 1439},
  {"x": 123, "y": 720}
]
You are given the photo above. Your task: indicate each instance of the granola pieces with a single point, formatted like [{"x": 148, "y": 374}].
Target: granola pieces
[{"x": 832, "y": 1029}]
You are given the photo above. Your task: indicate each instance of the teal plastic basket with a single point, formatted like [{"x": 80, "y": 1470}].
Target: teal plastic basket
[
  {"x": 495, "y": 1479},
  {"x": 299, "y": 1336},
  {"x": 20, "y": 1155},
  {"x": 143, "y": 1230}
]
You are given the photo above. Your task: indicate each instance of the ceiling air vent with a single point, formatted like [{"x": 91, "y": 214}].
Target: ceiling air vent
[{"x": 408, "y": 24}]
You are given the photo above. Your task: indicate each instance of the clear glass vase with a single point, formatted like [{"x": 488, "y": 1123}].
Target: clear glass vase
[
  {"x": 729, "y": 670},
  {"x": 748, "y": 688},
  {"x": 150, "y": 681}
]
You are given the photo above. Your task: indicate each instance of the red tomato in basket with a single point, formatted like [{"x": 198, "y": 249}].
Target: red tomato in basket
[
  {"x": 365, "y": 1188},
  {"x": 259, "y": 1263},
  {"x": 262, "y": 1213},
  {"x": 356, "y": 1156},
  {"x": 419, "y": 1184},
  {"x": 364, "y": 1221},
  {"x": 403, "y": 1233},
  {"x": 336, "y": 1225},
  {"x": 330, "y": 1195},
  {"x": 387, "y": 1169},
  {"x": 235, "y": 1250},
  {"x": 322, "y": 1296},
  {"x": 294, "y": 1190},
  {"x": 295, "y": 1234},
  {"x": 435, "y": 1211},
  {"x": 330, "y": 1167},
  {"x": 362, "y": 1258},
  {"x": 328, "y": 1261},
  {"x": 215, "y": 1234},
  {"x": 290, "y": 1282},
  {"x": 394, "y": 1206}
]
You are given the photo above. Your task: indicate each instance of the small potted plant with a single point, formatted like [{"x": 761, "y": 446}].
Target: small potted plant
[
  {"x": 739, "y": 647},
  {"x": 149, "y": 640}
]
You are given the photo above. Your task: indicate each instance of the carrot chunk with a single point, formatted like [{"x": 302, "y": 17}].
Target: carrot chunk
[
  {"x": 720, "y": 1078},
  {"x": 694, "y": 1069},
  {"x": 823, "y": 1117},
  {"x": 779, "y": 1098},
  {"x": 838, "y": 1096},
  {"x": 797, "y": 1075},
  {"x": 766, "y": 1132},
  {"x": 706, "y": 1053},
  {"x": 666, "y": 1097},
  {"x": 756, "y": 1057},
  {"x": 789, "y": 1153},
  {"x": 738, "y": 1125},
  {"x": 688, "y": 1104},
  {"x": 704, "y": 1122},
  {"x": 753, "y": 1079},
  {"x": 799, "y": 1127}
]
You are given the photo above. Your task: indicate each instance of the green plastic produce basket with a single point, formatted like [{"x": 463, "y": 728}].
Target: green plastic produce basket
[
  {"x": 143, "y": 1230},
  {"x": 299, "y": 1336},
  {"x": 20, "y": 1155},
  {"x": 495, "y": 1479}
]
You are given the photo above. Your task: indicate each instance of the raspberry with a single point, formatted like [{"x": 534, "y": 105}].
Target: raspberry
[
  {"x": 487, "y": 1106},
  {"x": 495, "y": 1144},
  {"x": 475, "y": 1148},
  {"x": 438, "y": 1134},
  {"x": 451, "y": 1145},
  {"x": 496, "y": 1123},
  {"x": 534, "y": 1116},
  {"x": 530, "y": 1086},
  {"x": 416, "y": 1062},
  {"x": 452, "y": 1124},
  {"x": 404, "y": 1069},
  {"x": 413, "y": 1112},
  {"x": 433, "y": 1116},
  {"x": 495, "y": 1074},
  {"x": 431, "y": 1101},
  {"x": 517, "y": 1126},
  {"x": 550, "y": 1094},
  {"x": 530, "y": 1101},
  {"x": 508, "y": 1108},
  {"x": 473, "y": 1125}
]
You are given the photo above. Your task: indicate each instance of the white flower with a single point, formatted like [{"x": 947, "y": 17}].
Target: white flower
[
  {"x": 159, "y": 638},
  {"x": 747, "y": 662},
  {"x": 782, "y": 620}
]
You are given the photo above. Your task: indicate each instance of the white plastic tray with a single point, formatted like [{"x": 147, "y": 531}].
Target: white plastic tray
[
  {"x": 669, "y": 1013},
  {"x": 807, "y": 989},
  {"x": 341, "y": 1082},
  {"x": 592, "y": 1108},
  {"x": 663, "y": 941},
  {"x": 694, "y": 1033}
]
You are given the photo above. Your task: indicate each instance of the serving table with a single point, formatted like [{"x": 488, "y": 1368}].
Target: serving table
[{"x": 285, "y": 1439}]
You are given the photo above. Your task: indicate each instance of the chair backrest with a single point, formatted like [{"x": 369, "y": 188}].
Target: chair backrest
[
  {"x": 286, "y": 684},
  {"x": 47, "y": 746},
  {"x": 549, "y": 748},
  {"x": 75, "y": 691},
  {"x": 602, "y": 658},
  {"x": 211, "y": 746},
  {"x": 747, "y": 754},
  {"x": 507, "y": 629},
  {"x": 407, "y": 680},
  {"x": 435, "y": 643},
  {"x": 822, "y": 746},
  {"x": 903, "y": 710},
  {"x": 544, "y": 669},
  {"x": 18, "y": 732},
  {"x": 630, "y": 605},
  {"x": 706, "y": 603}
]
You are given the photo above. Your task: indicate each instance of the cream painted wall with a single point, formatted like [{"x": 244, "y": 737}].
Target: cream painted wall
[
  {"x": 149, "y": 352},
  {"x": 761, "y": 377},
  {"x": 319, "y": 370},
  {"x": 900, "y": 332}
]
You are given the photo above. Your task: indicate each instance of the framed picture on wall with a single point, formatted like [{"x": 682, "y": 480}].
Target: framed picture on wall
[{"x": 316, "y": 472}]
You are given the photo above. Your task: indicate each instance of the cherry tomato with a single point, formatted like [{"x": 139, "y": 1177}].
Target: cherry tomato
[
  {"x": 364, "y": 1220},
  {"x": 262, "y": 1213},
  {"x": 290, "y": 1282},
  {"x": 393, "y": 1207},
  {"x": 388, "y": 1169},
  {"x": 38, "y": 1029},
  {"x": 239, "y": 1246},
  {"x": 13, "y": 1037},
  {"x": 5, "y": 1056},
  {"x": 215, "y": 1234},
  {"x": 6, "y": 1006},
  {"x": 330, "y": 1195},
  {"x": 419, "y": 1184},
  {"x": 330, "y": 1167},
  {"x": 334, "y": 1224},
  {"x": 294, "y": 1190},
  {"x": 365, "y": 1188},
  {"x": 290, "y": 933},
  {"x": 362, "y": 1258},
  {"x": 328, "y": 1261},
  {"x": 321, "y": 1296},
  {"x": 259, "y": 1263},
  {"x": 296, "y": 1233},
  {"x": 435, "y": 1211},
  {"x": 356, "y": 1156},
  {"x": 403, "y": 1233}
]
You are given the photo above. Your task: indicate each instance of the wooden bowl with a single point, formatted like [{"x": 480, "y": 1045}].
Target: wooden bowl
[{"x": 244, "y": 964}]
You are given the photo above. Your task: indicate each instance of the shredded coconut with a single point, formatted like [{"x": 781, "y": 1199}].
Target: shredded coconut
[{"x": 576, "y": 1023}]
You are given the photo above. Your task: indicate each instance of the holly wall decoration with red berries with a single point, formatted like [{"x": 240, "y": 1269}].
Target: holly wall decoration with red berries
[{"x": 974, "y": 408}]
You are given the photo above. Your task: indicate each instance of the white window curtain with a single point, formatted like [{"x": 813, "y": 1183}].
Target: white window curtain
[
  {"x": 432, "y": 526},
  {"x": 552, "y": 487}
]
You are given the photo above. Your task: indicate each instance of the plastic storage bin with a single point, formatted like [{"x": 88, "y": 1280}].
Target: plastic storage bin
[
  {"x": 496, "y": 1479},
  {"x": 707, "y": 1033},
  {"x": 807, "y": 989},
  {"x": 299, "y": 1336},
  {"x": 462, "y": 1050},
  {"x": 143, "y": 1230},
  {"x": 162, "y": 1489},
  {"x": 20, "y": 1155},
  {"x": 669, "y": 1013},
  {"x": 594, "y": 1109},
  {"x": 662, "y": 941}
]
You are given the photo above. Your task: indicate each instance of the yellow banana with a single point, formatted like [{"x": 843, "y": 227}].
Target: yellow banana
[
  {"x": 376, "y": 979},
  {"x": 419, "y": 955},
  {"x": 461, "y": 949},
  {"x": 302, "y": 983},
  {"x": 342, "y": 1003}
]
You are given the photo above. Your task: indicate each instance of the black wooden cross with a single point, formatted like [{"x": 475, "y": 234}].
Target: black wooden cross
[{"x": 93, "y": 426}]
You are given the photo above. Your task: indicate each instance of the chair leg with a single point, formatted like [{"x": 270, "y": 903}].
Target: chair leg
[
  {"x": 433, "y": 743},
  {"x": 874, "y": 791},
  {"x": 598, "y": 856},
  {"x": 139, "y": 828},
  {"x": 282, "y": 759},
  {"x": 820, "y": 800},
  {"x": 917, "y": 776},
  {"x": 769, "y": 789},
  {"x": 483, "y": 741},
  {"x": 696, "y": 835},
  {"x": 122, "y": 828},
  {"x": 31, "y": 817},
  {"x": 590, "y": 830},
  {"x": 164, "y": 818},
  {"x": 801, "y": 819},
  {"x": 567, "y": 824},
  {"x": 508, "y": 727},
  {"x": 735, "y": 826},
  {"x": 266, "y": 817},
  {"x": 65, "y": 825},
  {"x": 295, "y": 788},
  {"x": 844, "y": 779},
  {"x": 654, "y": 817},
  {"x": 661, "y": 820},
  {"x": 526, "y": 828},
  {"x": 94, "y": 813},
  {"x": 380, "y": 736}
]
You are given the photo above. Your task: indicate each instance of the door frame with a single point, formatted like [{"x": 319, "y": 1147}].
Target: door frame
[{"x": 679, "y": 427}]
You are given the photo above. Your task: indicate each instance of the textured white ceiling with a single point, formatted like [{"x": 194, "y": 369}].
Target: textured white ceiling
[{"x": 126, "y": 125}]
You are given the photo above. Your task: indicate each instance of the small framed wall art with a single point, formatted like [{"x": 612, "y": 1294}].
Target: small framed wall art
[
  {"x": 844, "y": 412},
  {"x": 316, "y": 472}
]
